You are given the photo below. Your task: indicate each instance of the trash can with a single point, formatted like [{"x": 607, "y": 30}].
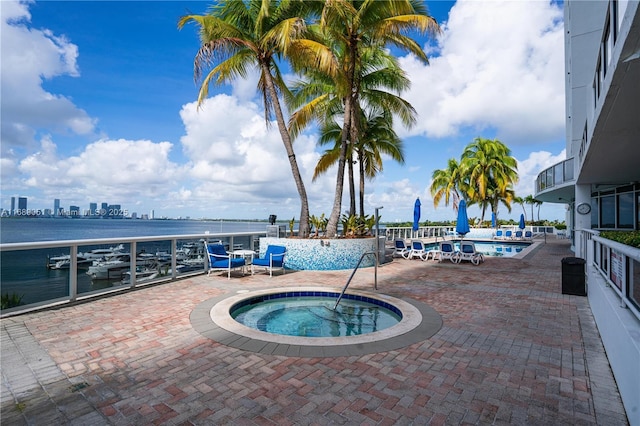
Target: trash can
[{"x": 573, "y": 279}]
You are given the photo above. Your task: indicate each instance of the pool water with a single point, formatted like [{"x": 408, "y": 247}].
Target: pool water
[
  {"x": 313, "y": 316},
  {"x": 493, "y": 248}
]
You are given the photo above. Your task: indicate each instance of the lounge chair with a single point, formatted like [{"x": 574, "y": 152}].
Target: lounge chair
[
  {"x": 499, "y": 235},
  {"x": 468, "y": 252},
  {"x": 448, "y": 251},
  {"x": 273, "y": 259},
  {"x": 401, "y": 249},
  {"x": 528, "y": 235},
  {"x": 220, "y": 260},
  {"x": 417, "y": 250},
  {"x": 518, "y": 235},
  {"x": 508, "y": 235}
]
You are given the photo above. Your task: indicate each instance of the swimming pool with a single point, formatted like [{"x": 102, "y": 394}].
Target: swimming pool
[
  {"x": 493, "y": 248},
  {"x": 315, "y": 314}
]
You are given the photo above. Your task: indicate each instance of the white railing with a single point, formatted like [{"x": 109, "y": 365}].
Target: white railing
[
  {"x": 74, "y": 295},
  {"x": 618, "y": 264},
  {"x": 444, "y": 232}
]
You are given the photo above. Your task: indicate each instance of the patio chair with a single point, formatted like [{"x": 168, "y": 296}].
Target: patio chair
[
  {"x": 220, "y": 260},
  {"x": 273, "y": 259},
  {"x": 518, "y": 235},
  {"x": 468, "y": 252},
  {"x": 417, "y": 250},
  {"x": 508, "y": 235},
  {"x": 498, "y": 235},
  {"x": 400, "y": 248},
  {"x": 448, "y": 251},
  {"x": 528, "y": 235}
]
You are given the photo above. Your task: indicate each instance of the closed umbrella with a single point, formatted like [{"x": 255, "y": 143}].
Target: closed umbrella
[
  {"x": 493, "y": 220},
  {"x": 521, "y": 224},
  {"x": 416, "y": 215},
  {"x": 462, "y": 226}
]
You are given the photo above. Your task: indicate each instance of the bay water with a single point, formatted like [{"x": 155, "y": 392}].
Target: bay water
[{"x": 24, "y": 273}]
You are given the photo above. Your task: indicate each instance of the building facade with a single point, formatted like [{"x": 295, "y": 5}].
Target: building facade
[{"x": 600, "y": 179}]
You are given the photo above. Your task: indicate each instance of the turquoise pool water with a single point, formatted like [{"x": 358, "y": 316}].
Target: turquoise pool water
[
  {"x": 312, "y": 315},
  {"x": 494, "y": 248}
]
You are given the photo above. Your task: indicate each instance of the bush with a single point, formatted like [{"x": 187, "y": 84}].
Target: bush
[{"x": 630, "y": 238}]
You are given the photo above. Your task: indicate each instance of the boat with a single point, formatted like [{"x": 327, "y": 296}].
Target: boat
[
  {"x": 116, "y": 265},
  {"x": 85, "y": 259},
  {"x": 142, "y": 275}
]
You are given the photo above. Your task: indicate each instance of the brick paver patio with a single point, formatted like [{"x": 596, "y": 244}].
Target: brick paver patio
[{"x": 512, "y": 350}]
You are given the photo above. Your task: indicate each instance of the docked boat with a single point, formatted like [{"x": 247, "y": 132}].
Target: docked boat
[{"x": 116, "y": 265}]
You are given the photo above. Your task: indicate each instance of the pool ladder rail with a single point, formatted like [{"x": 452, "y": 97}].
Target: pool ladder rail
[{"x": 344, "y": 289}]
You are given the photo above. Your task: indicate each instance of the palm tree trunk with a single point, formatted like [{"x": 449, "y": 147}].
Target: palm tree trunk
[
  {"x": 303, "y": 230},
  {"x": 352, "y": 187},
  {"x": 361, "y": 170}
]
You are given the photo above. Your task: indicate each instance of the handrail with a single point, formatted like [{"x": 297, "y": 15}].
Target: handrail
[{"x": 344, "y": 289}]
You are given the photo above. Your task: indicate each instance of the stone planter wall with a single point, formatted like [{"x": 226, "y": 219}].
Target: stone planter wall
[{"x": 323, "y": 254}]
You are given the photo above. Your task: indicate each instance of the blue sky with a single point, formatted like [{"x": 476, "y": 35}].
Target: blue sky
[{"x": 98, "y": 105}]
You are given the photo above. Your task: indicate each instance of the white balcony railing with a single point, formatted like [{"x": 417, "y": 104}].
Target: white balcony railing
[
  {"x": 24, "y": 269},
  {"x": 556, "y": 175}
]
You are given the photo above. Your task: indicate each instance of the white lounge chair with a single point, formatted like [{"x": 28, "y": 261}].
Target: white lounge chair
[
  {"x": 468, "y": 252},
  {"x": 400, "y": 249},
  {"x": 417, "y": 250},
  {"x": 447, "y": 251}
]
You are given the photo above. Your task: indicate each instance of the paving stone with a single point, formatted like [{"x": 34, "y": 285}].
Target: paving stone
[{"x": 511, "y": 350}]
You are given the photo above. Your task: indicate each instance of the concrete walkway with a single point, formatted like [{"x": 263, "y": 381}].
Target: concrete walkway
[{"x": 512, "y": 350}]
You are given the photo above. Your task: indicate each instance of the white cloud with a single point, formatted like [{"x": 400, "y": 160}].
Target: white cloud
[
  {"x": 28, "y": 57},
  {"x": 121, "y": 170},
  {"x": 500, "y": 66},
  {"x": 233, "y": 151}
]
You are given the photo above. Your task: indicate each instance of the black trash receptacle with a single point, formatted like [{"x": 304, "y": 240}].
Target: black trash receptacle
[{"x": 573, "y": 280}]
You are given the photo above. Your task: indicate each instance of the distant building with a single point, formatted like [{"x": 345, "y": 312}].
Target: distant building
[
  {"x": 74, "y": 211},
  {"x": 22, "y": 205},
  {"x": 56, "y": 207},
  {"x": 13, "y": 206},
  {"x": 152, "y": 214},
  {"x": 93, "y": 209}
]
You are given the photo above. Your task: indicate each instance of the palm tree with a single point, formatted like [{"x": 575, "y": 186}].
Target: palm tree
[
  {"x": 237, "y": 35},
  {"x": 521, "y": 201},
  {"x": 448, "y": 184},
  {"x": 349, "y": 28},
  {"x": 529, "y": 199},
  {"x": 492, "y": 172},
  {"x": 377, "y": 137}
]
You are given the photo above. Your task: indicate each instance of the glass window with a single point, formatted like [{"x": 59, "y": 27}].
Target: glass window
[
  {"x": 608, "y": 211},
  {"x": 558, "y": 175},
  {"x": 568, "y": 170},
  {"x": 606, "y": 50},
  {"x": 625, "y": 210},
  {"x": 594, "y": 213},
  {"x": 550, "y": 177}
]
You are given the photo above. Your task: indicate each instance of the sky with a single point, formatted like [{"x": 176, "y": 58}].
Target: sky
[{"x": 99, "y": 105}]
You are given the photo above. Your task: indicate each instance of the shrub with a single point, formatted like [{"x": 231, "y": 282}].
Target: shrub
[{"x": 630, "y": 238}]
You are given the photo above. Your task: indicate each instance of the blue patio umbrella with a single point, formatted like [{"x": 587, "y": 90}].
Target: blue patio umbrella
[
  {"x": 462, "y": 225},
  {"x": 416, "y": 215},
  {"x": 521, "y": 224},
  {"x": 493, "y": 220}
]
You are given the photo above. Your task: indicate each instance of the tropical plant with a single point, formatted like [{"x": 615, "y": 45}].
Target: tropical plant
[
  {"x": 319, "y": 223},
  {"x": 447, "y": 183},
  {"x": 236, "y": 35},
  {"x": 10, "y": 300},
  {"x": 529, "y": 199},
  {"x": 521, "y": 201},
  {"x": 491, "y": 171},
  {"x": 292, "y": 223},
  {"x": 349, "y": 31}
]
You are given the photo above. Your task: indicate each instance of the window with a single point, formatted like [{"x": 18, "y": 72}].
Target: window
[
  {"x": 568, "y": 170},
  {"x": 594, "y": 213},
  {"x": 608, "y": 211},
  {"x": 625, "y": 210},
  {"x": 558, "y": 175},
  {"x": 606, "y": 49}
]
